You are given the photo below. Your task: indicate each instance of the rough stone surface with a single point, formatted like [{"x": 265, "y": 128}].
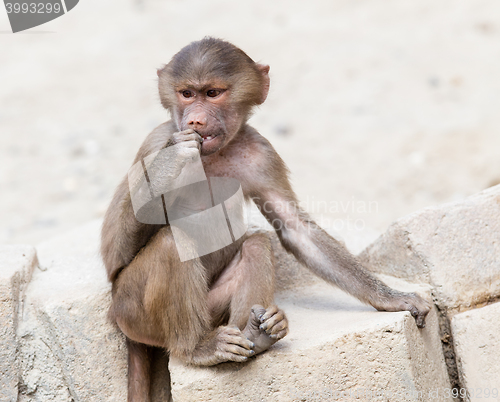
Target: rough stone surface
[
  {"x": 338, "y": 349},
  {"x": 476, "y": 336},
  {"x": 16, "y": 267},
  {"x": 453, "y": 247},
  {"x": 69, "y": 350}
]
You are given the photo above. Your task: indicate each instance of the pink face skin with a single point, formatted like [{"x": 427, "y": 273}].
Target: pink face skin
[{"x": 206, "y": 109}]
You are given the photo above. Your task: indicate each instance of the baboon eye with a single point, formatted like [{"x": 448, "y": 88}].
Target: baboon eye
[
  {"x": 212, "y": 93},
  {"x": 187, "y": 94}
]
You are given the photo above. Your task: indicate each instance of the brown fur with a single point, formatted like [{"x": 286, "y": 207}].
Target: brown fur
[
  {"x": 210, "y": 309},
  {"x": 215, "y": 60}
]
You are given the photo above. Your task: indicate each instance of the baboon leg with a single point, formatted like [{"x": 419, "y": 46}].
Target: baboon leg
[
  {"x": 139, "y": 372},
  {"x": 246, "y": 281},
  {"x": 244, "y": 293}
]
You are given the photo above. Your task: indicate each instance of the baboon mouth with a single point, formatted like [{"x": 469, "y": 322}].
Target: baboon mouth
[{"x": 208, "y": 137}]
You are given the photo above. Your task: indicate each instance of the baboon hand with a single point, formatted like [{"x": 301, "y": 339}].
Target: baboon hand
[{"x": 416, "y": 305}]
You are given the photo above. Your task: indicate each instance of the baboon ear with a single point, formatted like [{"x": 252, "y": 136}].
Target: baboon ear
[
  {"x": 264, "y": 71},
  {"x": 159, "y": 71}
]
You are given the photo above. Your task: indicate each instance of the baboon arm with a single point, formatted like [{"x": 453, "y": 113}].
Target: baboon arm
[
  {"x": 122, "y": 235},
  {"x": 316, "y": 249}
]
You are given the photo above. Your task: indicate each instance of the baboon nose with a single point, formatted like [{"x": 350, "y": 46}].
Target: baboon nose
[{"x": 197, "y": 122}]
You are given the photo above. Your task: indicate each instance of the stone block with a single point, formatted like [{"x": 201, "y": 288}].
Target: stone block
[
  {"x": 337, "y": 346},
  {"x": 453, "y": 247},
  {"x": 476, "y": 338},
  {"x": 16, "y": 267},
  {"x": 70, "y": 352},
  {"x": 337, "y": 349}
]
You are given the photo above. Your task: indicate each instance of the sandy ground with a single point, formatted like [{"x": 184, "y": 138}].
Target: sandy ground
[{"x": 379, "y": 107}]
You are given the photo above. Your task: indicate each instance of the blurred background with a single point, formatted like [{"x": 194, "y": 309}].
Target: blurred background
[{"x": 379, "y": 107}]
